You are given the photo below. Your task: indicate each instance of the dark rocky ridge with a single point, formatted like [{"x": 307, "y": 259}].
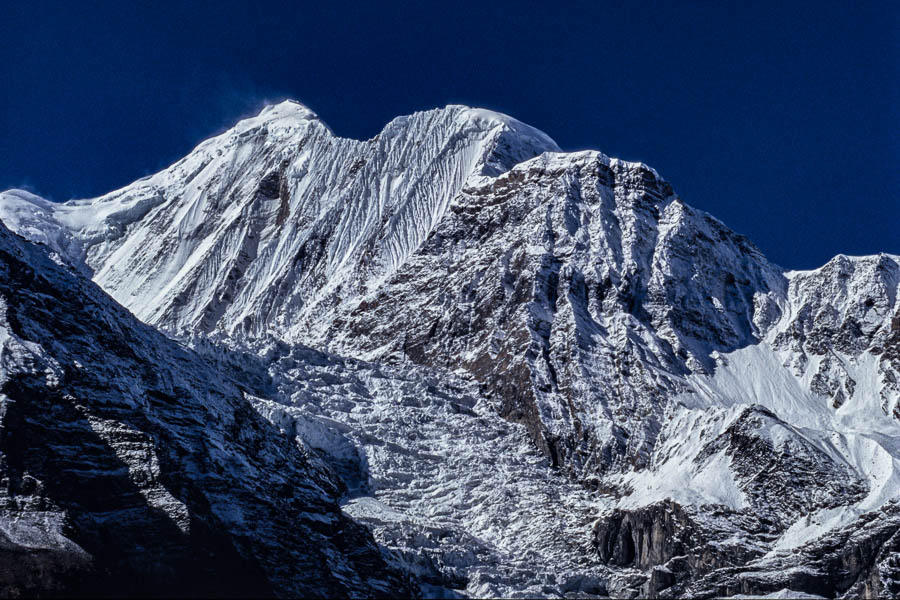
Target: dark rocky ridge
[
  {"x": 129, "y": 467},
  {"x": 673, "y": 545},
  {"x": 692, "y": 553},
  {"x": 861, "y": 560},
  {"x": 786, "y": 479}
]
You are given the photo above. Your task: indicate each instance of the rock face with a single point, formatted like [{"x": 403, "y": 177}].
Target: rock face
[
  {"x": 783, "y": 476},
  {"x": 562, "y": 287},
  {"x": 128, "y": 466},
  {"x": 708, "y": 409},
  {"x": 847, "y": 308},
  {"x": 693, "y": 554},
  {"x": 645, "y": 538},
  {"x": 675, "y": 545},
  {"x": 857, "y": 561}
]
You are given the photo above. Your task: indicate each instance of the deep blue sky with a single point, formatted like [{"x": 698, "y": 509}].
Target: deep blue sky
[{"x": 782, "y": 119}]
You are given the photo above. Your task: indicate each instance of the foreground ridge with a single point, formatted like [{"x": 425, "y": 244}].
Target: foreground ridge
[{"x": 130, "y": 467}]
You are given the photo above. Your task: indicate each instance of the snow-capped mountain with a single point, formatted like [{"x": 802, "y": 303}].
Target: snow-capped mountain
[
  {"x": 711, "y": 412},
  {"x": 261, "y": 227}
]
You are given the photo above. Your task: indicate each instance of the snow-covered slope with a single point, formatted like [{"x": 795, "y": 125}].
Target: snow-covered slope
[
  {"x": 261, "y": 227},
  {"x": 653, "y": 355},
  {"x": 128, "y": 466}
]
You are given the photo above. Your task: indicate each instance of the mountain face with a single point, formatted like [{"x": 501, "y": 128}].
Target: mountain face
[
  {"x": 534, "y": 372},
  {"x": 130, "y": 467},
  {"x": 259, "y": 229}
]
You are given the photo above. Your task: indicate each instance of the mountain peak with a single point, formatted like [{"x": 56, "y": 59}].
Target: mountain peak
[
  {"x": 289, "y": 113},
  {"x": 518, "y": 128},
  {"x": 287, "y": 108}
]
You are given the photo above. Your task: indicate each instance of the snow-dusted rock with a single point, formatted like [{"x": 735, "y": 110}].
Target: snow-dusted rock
[
  {"x": 839, "y": 313},
  {"x": 861, "y": 560},
  {"x": 128, "y": 466}
]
